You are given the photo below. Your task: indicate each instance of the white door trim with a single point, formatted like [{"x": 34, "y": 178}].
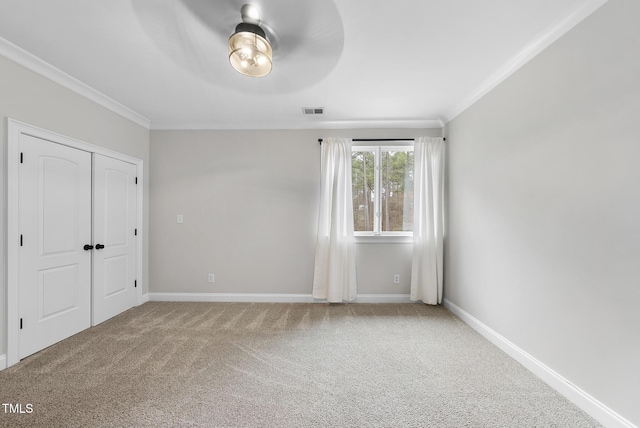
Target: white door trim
[{"x": 14, "y": 130}]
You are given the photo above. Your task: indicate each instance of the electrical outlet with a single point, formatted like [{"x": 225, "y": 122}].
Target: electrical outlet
[
  {"x": 396, "y": 279},
  {"x": 211, "y": 278},
  {"x": 180, "y": 219}
]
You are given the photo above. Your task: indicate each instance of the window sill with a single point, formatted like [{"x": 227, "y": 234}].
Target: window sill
[{"x": 383, "y": 239}]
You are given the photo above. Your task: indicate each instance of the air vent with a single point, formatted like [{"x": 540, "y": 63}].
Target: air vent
[{"x": 312, "y": 110}]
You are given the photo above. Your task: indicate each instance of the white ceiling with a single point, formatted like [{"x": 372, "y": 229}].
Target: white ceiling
[{"x": 401, "y": 63}]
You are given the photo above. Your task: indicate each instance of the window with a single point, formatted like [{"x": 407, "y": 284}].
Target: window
[{"x": 382, "y": 187}]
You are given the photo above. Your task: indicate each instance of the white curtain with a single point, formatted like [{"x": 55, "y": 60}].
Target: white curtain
[
  {"x": 334, "y": 277},
  {"x": 428, "y": 220}
]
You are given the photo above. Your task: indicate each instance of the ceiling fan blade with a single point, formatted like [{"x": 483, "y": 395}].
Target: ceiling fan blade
[{"x": 307, "y": 38}]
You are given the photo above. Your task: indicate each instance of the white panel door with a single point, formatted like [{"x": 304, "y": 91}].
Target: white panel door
[
  {"x": 55, "y": 225},
  {"x": 114, "y": 237}
]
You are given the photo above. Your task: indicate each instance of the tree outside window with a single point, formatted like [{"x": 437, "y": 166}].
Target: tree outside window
[{"x": 382, "y": 180}]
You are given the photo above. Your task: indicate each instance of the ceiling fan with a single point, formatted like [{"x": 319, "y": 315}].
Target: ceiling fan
[{"x": 306, "y": 38}]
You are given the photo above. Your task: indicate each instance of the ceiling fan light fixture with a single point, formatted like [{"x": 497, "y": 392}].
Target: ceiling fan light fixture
[{"x": 250, "y": 52}]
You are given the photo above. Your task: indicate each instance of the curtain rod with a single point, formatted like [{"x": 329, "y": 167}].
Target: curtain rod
[{"x": 382, "y": 139}]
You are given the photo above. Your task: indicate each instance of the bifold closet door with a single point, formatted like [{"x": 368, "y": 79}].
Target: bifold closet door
[
  {"x": 114, "y": 237},
  {"x": 55, "y": 225}
]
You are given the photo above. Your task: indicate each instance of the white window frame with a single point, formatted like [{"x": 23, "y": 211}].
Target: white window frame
[{"x": 377, "y": 235}]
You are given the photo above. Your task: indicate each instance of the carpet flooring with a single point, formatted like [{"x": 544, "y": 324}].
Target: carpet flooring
[{"x": 280, "y": 365}]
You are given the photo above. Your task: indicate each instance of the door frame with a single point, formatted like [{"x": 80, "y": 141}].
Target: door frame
[{"x": 14, "y": 130}]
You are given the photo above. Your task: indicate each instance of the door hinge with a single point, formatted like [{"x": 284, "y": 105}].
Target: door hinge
[
  {"x": 136, "y": 180},
  {"x": 21, "y": 240},
  {"x": 135, "y": 283},
  {"x": 135, "y": 232},
  {"x": 21, "y": 157},
  {"x": 20, "y": 323}
]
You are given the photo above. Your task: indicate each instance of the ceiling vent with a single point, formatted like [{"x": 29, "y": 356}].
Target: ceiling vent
[{"x": 312, "y": 110}]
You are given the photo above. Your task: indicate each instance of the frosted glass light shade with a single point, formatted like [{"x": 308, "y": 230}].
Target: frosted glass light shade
[{"x": 249, "y": 51}]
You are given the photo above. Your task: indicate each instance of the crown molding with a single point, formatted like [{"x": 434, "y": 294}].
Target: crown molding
[
  {"x": 537, "y": 45},
  {"x": 312, "y": 124},
  {"x": 399, "y": 123},
  {"x": 44, "y": 69}
]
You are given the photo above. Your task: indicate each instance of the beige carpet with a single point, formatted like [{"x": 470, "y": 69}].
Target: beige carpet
[{"x": 281, "y": 365}]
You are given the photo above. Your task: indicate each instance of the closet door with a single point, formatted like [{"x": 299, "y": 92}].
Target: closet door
[
  {"x": 114, "y": 237},
  {"x": 55, "y": 226}
]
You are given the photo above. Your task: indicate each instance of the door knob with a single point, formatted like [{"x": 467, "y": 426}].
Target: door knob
[
  {"x": 99, "y": 246},
  {"x": 88, "y": 247}
]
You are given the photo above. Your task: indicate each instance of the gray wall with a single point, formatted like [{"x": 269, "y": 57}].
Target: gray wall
[
  {"x": 543, "y": 240},
  {"x": 30, "y": 98},
  {"x": 250, "y": 206}
]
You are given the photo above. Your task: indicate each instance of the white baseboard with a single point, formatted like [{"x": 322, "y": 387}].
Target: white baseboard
[
  {"x": 145, "y": 298},
  {"x": 231, "y": 297},
  {"x": 383, "y": 298},
  {"x": 3, "y": 362},
  {"x": 268, "y": 298},
  {"x": 580, "y": 398}
]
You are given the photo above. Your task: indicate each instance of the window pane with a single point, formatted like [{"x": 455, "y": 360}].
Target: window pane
[
  {"x": 362, "y": 170},
  {"x": 397, "y": 190}
]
